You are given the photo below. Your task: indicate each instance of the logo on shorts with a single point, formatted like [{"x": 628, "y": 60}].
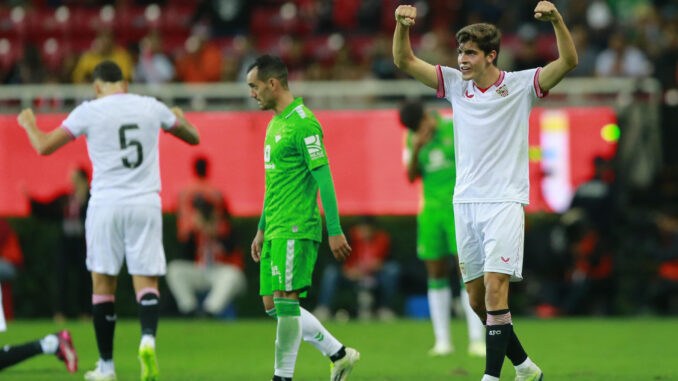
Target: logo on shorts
[
  {"x": 275, "y": 271},
  {"x": 462, "y": 267},
  {"x": 505, "y": 259}
]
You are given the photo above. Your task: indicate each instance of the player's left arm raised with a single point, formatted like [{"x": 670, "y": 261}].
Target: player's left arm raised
[
  {"x": 554, "y": 72},
  {"x": 44, "y": 143}
]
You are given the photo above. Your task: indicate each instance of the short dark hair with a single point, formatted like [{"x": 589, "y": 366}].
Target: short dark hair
[
  {"x": 107, "y": 71},
  {"x": 200, "y": 168},
  {"x": 411, "y": 114},
  {"x": 486, "y": 36},
  {"x": 270, "y": 66}
]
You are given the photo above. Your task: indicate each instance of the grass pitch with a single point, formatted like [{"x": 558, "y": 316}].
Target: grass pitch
[{"x": 566, "y": 349}]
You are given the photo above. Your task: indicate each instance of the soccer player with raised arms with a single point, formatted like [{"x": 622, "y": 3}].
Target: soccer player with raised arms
[
  {"x": 124, "y": 217},
  {"x": 491, "y": 120},
  {"x": 429, "y": 154},
  {"x": 290, "y": 229}
]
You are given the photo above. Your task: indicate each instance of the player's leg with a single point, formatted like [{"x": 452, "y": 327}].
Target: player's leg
[
  {"x": 433, "y": 250},
  {"x": 145, "y": 257},
  {"x": 104, "y": 317},
  {"x": 476, "y": 329},
  {"x": 105, "y": 254},
  {"x": 498, "y": 325},
  {"x": 439, "y": 301},
  {"x": 59, "y": 344},
  {"x": 503, "y": 244},
  {"x": 227, "y": 281}
]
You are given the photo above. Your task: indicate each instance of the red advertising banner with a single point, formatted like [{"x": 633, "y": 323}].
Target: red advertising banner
[{"x": 364, "y": 147}]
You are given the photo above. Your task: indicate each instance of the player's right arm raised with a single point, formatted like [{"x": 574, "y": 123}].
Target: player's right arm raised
[
  {"x": 44, "y": 143},
  {"x": 403, "y": 56},
  {"x": 184, "y": 129}
]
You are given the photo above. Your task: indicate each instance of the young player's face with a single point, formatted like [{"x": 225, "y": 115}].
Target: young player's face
[
  {"x": 260, "y": 90},
  {"x": 472, "y": 61}
]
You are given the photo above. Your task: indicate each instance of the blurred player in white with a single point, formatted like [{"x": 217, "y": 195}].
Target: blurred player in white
[
  {"x": 59, "y": 344},
  {"x": 491, "y": 114},
  {"x": 124, "y": 220}
]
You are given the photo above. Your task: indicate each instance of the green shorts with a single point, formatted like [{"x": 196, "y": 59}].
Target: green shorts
[
  {"x": 435, "y": 233},
  {"x": 287, "y": 265}
]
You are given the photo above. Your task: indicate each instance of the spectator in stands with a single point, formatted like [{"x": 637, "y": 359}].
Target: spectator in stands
[
  {"x": 223, "y": 17},
  {"x": 153, "y": 66},
  {"x": 73, "y": 284},
  {"x": 215, "y": 265},
  {"x": 663, "y": 289},
  {"x": 527, "y": 56},
  {"x": 367, "y": 269},
  {"x": 103, "y": 49},
  {"x": 622, "y": 59},
  {"x": 10, "y": 252},
  {"x": 587, "y": 54},
  {"x": 201, "y": 62}
]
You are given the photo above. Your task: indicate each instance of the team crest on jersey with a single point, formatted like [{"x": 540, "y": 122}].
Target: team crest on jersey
[
  {"x": 503, "y": 90},
  {"x": 315, "y": 149}
]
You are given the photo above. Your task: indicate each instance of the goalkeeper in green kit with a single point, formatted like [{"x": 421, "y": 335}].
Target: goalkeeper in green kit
[
  {"x": 429, "y": 154},
  {"x": 290, "y": 228}
]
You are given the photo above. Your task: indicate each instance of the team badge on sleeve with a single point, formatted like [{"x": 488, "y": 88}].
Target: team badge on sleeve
[
  {"x": 503, "y": 90},
  {"x": 315, "y": 149}
]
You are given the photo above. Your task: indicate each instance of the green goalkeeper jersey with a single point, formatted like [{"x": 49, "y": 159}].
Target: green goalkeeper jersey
[
  {"x": 292, "y": 149},
  {"x": 436, "y": 164}
]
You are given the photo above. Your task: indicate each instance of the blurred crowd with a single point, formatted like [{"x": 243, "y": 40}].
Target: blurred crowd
[{"x": 47, "y": 41}]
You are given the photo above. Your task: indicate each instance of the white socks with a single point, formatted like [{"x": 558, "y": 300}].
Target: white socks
[
  {"x": 439, "y": 300},
  {"x": 476, "y": 329},
  {"x": 317, "y": 335},
  {"x": 288, "y": 338},
  {"x": 49, "y": 344},
  {"x": 147, "y": 340},
  {"x": 106, "y": 366},
  {"x": 526, "y": 365}
]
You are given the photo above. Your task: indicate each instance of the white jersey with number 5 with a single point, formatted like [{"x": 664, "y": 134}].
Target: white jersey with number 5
[
  {"x": 122, "y": 141},
  {"x": 490, "y": 134}
]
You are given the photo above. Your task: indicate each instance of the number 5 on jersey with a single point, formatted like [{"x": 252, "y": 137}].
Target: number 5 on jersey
[{"x": 124, "y": 144}]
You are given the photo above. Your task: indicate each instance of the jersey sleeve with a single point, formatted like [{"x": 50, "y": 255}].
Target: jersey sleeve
[
  {"x": 309, "y": 139},
  {"x": 449, "y": 79},
  {"x": 167, "y": 118},
  {"x": 531, "y": 79},
  {"x": 76, "y": 122}
]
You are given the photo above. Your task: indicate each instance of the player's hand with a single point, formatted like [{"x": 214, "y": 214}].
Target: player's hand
[
  {"x": 405, "y": 15},
  {"x": 26, "y": 118},
  {"x": 178, "y": 112},
  {"x": 546, "y": 11},
  {"x": 257, "y": 244},
  {"x": 339, "y": 246},
  {"x": 423, "y": 136}
]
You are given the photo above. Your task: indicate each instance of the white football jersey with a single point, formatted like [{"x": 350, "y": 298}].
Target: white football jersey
[
  {"x": 490, "y": 134},
  {"x": 122, "y": 141}
]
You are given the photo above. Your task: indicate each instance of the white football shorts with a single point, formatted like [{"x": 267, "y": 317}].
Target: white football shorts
[
  {"x": 132, "y": 233},
  {"x": 490, "y": 239}
]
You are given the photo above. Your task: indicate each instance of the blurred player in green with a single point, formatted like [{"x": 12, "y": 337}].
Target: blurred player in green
[
  {"x": 429, "y": 154},
  {"x": 290, "y": 228}
]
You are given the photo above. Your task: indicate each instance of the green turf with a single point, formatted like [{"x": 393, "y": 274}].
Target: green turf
[{"x": 568, "y": 349}]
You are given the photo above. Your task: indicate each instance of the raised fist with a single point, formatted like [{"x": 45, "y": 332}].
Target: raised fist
[{"x": 405, "y": 15}]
